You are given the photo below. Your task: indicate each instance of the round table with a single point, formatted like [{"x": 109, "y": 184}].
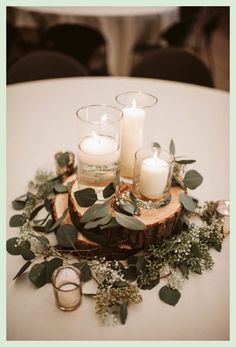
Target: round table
[
  {"x": 40, "y": 121},
  {"x": 123, "y": 27}
]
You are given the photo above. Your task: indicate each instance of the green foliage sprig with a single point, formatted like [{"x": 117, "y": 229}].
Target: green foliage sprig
[{"x": 119, "y": 284}]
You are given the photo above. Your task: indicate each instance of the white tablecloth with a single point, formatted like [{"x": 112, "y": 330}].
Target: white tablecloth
[
  {"x": 122, "y": 27},
  {"x": 40, "y": 121}
]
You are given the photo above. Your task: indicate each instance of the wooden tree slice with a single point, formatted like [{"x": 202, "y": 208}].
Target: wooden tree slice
[{"x": 119, "y": 241}]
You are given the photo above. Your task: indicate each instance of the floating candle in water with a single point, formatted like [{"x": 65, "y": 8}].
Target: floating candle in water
[{"x": 98, "y": 150}]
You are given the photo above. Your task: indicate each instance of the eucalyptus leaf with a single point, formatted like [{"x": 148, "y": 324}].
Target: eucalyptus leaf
[
  {"x": 184, "y": 269},
  {"x": 94, "y": 212},
  {"x": 169, "y": 295},
  {"x": 86, "y": 197},
  {"x": 150, "y": 285},
  {"x": 48, "y": 204},
  {"x": 22, "y": 269},
  {"x": 67, "y": 235},
  {"x": 40, "y": 274},
  {"x": 123, "y": 313},
  {"x": 36, "y": 211},
  {"x": 128, "y": 207},
  {"x": 85, "y": 270},
  {"x": 188, "y": 202},
  {"x": 129, "y": 222},
  {"x": 12, "y": 246},
  {"x": 63, "y": 159},
  {"x": 101, "y": 221},
  {"x": 42, "y": 239},
  {"x": 112, "y": 224},
  {"x": 16, "y": 221},
  {"x": 27, "y": 254},
  {"x": 217, "y": 245},
  {"x": 18, "y": 204},
  {"x": 185, "y": 161},
  {"x": 172, "y": 147},
  {"x": 108, "y": 191},
  {"x": 130, "y": 273},
  {"x": 37, "y": 274},
  {"x": 58, "y": 221},
  {"x": 60, "y": 188},
  {"x": 192, "y": 179}
]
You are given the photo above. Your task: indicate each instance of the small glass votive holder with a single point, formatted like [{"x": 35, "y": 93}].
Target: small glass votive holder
[
  {"x": 135, "y": 105},
  {"x": 152, "y": 179},
  {"x": 98, "y": 153},
  {"x": 223, "y": 208},
  {"x": 66, "y": 281}
]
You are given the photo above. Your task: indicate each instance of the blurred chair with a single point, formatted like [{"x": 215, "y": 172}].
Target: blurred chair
[
  {"x": 42, "y": 65},
  {"x": 177, "y": 34},
  {"x": 81, "y": 42},
  {"x": 176, "y": 65}
]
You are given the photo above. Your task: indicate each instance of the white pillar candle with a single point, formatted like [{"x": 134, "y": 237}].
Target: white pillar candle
[
  {"x": 131, "y": 139},
  {"x": 98, "y": 150},
  {"x": 153, "y": 177}
]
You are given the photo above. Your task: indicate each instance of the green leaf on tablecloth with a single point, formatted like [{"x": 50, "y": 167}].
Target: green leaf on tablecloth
[
  {"x": 172, "y": 147},
  {"x": 192, "y": 179},
  {"x": 67, "y": 235},
  {"x": 86, "y": 197},
  {"x": 19, "y": 203},
  {"x": 40, "y": 274},
  {"x": 85, "y": 271},
  {"x": 58, "y": 221},
  {"x": 94, "y": 212},
  {"x": 60, "y": 188},
  {"x": 184, "y": 270},
  {"x": 12, "y": 246},
  {"x": 123, "y": 313},
  {"x": 102, "y": 221},
  {"x": 63, "y": 159},
  {"x": 36, "y": 211},
  {"x": 23, "y": 269},
  {"x": 17, "y": 221},
  {"x": 37, "y": 274},
  {"x": 108, "y": 191},
  {"x": 27, "y": 254},
  {"x": 129, "y": 222},
  {"x": 169, "y": 295},
  {"x": 188, "y": 202},
  {"x": 185, "y": 161}
]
